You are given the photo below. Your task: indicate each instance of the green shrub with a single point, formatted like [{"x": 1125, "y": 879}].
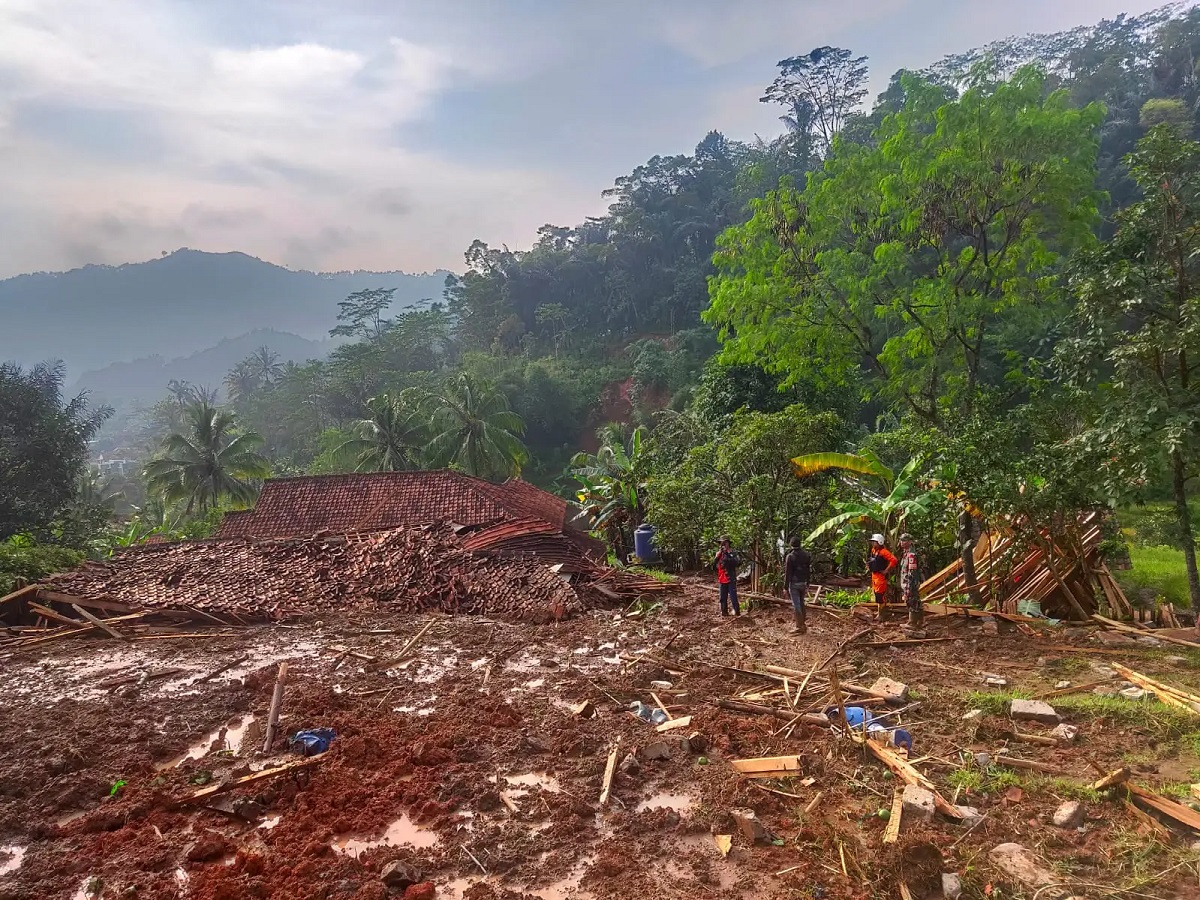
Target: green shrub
[{"x": 24, "y": 560}]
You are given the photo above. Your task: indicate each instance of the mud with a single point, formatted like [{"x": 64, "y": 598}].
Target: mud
[{"x": 467, "y": 765}]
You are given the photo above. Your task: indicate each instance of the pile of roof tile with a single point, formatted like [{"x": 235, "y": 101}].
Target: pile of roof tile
[{"x": 239, "y": 581}]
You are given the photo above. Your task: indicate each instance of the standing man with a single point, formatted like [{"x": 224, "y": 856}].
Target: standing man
[
  {"x": 881, "y": 563},
  {"x": 910, "y": 581},
  {"x": 795, "y": 576},
  {"x": 726, "y": 564}
]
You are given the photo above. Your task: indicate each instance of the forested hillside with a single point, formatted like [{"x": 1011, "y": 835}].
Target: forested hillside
[{"x": 979, "y": 289}]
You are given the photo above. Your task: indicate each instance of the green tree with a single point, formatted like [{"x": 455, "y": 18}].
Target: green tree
[
  {"x": 209, "y": 462},
  {"x": 43, "y": 446},
  {"x": 391, "y": 438},
  {"x": 612, "y": 485},
  {"x": 474, "y": 429},
  {"x": 1137, "y": 337},
  {"x": 901, "y": 265},
  {"x": 361, "y": 314},
  {"x": 264, "y": 364},
  {"x": 821, "y": 90}
]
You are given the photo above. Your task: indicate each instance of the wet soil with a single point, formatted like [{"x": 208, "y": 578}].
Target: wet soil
[{"x": 468, "y": 766}]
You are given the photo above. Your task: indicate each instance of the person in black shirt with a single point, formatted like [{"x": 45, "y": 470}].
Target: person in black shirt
[{"x": 796, "y": 575}]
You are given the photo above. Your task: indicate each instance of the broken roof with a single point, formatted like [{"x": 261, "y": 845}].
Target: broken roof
[{"x": 300, "y": 507}]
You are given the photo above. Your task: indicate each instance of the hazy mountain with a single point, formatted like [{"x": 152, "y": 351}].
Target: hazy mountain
[
  {"x": 171, "y": 307},
  {"x": 144, "y": 381}
]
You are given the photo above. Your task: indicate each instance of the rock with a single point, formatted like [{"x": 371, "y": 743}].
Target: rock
[
  {"x": 1019, "y": 864},
  {"x": 1149, "y": 641},
  {"x": 1069, "y": 815},
  {"x": 973, "y": 716},
  {"x": 399, "y": 875},
  {"x": 1065, "y": 733},
  {"x": 951, "y": 886},
  {"x": 1176, "y": 660},
  {"x": 660, "y": 685},
  {"x": 423, "y": 891},
  {"x": 996, "y": 681},
  {"x": 983, "y": 760},
  {"x": 918, "y": 806},
  {"x": 1114, "y": 639},
  {"x": 749, "y": 824},
  {"x": 630, "y": 765},
  {"x": 1062, "y": 685},
  {"x": 1034, "y": 711},
  {"x": 208, "y": 846},
  {"x": 990, "y": 628},
  {"x": 1134, "y": 693},
  {"x": 696, "y": 742},
  {"x": 584, "y": 710},
  {"x": 970, "y": 816},
  {"x": 893, "y": 690},
  {"x": 247, "y": 809},
  {"x": 657, "y": 750}
]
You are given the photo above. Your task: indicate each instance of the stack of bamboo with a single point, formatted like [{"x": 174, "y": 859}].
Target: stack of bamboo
[{"x": 1064, "y": 572}]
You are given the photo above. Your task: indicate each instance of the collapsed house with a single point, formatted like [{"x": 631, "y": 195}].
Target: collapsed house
[{"x": 312, "y": 545}]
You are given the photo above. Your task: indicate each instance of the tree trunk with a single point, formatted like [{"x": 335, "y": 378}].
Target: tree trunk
[
  {"x": 1187, "y": 538},
  {"x": 966, "y": 544}
]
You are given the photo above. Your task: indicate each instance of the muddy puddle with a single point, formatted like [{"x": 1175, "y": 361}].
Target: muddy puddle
[
  {"x": 681, "y": 803},
  {"x": 11, "y": 857},
  {"x": 402, "y": 832},
  {"x": 235, "y": 731},
  {"x": 563, "y": 889}
]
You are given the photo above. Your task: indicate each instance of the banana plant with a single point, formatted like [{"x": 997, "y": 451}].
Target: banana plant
[
  {"x": 612, "y": 487},
  {"x": 885, "y": 501}
]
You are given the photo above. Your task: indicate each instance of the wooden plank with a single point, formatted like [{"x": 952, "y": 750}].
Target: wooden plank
[
  {"x": 661, "y": 705},
  {"x": 766, "y": 765},
  {"x": 1168, "y": 694},
  {"x": 1042, "y": 739},
  {"x": 1112, "y": 779},
  {"x": 610, "y": 768},
  {"x": 19, "y": 593},
  {"x": 892, "y": 833},
  {"x": 670, "y": 724},
  {"x": 276, "y": 704},
  {"x": 1177, "y": 812},
  {"x": 107, "y": 629},
  {"x": 784, "y": 715},
  {"x": 213, "y": 789},
  {"x": 1073, "y": 689},
  {"x": 48, "y": 613},
  {"x": 1148, "y": 820},
  {"x": 69, "y": 599}
]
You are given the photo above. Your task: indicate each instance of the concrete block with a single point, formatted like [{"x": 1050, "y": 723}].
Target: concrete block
[
  {"x": 1034, "y": 711},
  {"x": 748, "y": 823},
  {"x": 887, "y": 687},
  {"x": 1019, "y": 864},
  {"x": 918, "y": 806},
  {"x": 1065, "y": 733}
]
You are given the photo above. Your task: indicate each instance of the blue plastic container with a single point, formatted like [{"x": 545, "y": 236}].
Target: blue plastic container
[{"x": 643, "y": 543}]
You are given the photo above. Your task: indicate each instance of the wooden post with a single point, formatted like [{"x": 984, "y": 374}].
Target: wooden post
[
  {"x": 276, "y": 703},
  {"x": 610, "y": 769}
]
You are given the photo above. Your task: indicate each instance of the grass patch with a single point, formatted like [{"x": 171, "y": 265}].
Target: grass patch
[
  {"x": 846, "y": 599},
  {"x": 656, "y": 574},
  {"x": 1064, "y": 787},
  {"x": 1152, "y": 715},
  {"x": 968, "y": 780},
  {"x": 1156, "y": 572},
  {"x": 995, "y": 703}
]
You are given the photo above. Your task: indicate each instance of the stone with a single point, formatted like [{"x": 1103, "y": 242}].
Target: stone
[
  {"x": 1149, "y": 641},
  {"x": 974, "y": 715},
  {"x": 1176, "y": 660},
  {"x": 1114, "y": 639},
  {"x": 918, "y": 806},
  {"x": 1034, "y": 711},
  {"x": 1019, "y": 864},
  {"x": 970, "y": 816},
  {"x": 630, "y": 765},
  {"x": 1074, "y": 633},
  {"x": 1069, "y": 815},
  {"x": 990, "y": 628},
  {"x": 1062, "y": 685},
  {"x": 423, "y": 891},
  {"x": 749, "y": 824},
  {"x": 893, "y": 690},
  {"x": 696, "y": 742},
  {"x": 951, "y": 886},
  {"x": 1133, "y": 692},
  {"x": 247, "y": 809},
  {"x": 660, "y": 685},
  {"x": 657, "y": 750},
  {"x": 996, "y": 681},
  {"x": 983, "y": 759},
  {"x": 399, "y": 875},
  {"x": 1065, "y": 733}
]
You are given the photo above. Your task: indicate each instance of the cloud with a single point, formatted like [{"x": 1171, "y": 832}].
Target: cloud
[{"x": 391, "y": 133}]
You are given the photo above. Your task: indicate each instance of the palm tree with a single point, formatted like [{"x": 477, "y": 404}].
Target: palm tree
[
  {"x": 612, "y": 484},
  {"x": 208, "y": 462},
  {"x": 473, "y": 429},
  {"x": 264, "y": 362},
  {"x": 241, "y": 382},
  {"x": 390, "y": 438}
]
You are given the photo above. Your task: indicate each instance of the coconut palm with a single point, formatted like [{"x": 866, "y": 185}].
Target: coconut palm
[
  {"x": 264, "y": 362},
  {"x": 474, "y": 430},
  {"x": 390, "y": 438},
  {"x": 241, "y": 382},
  {"x": 208, "y": 461}
]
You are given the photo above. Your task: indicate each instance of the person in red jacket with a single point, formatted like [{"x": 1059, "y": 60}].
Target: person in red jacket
[
  {"x": 881, "y": 562},
  {"x": 726, "y": 564}
]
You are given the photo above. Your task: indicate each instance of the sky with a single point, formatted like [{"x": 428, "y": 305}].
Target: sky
[{"x": 388, "y": 134}]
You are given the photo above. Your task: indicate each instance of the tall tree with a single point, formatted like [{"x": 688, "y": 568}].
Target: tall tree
[
  {"x": 1138, "y": 331},
  {"x": 265, "y": 365},
  {"x": 361, "y": 314},
  {"x": 43, "y": 446},
  {"x": 820, "y": 90},
  {"x": 208, "y": 462},
  {"x": 474, "y": 429},
  {"x": 902, "y": 264},
  {"x": 391, "y": 438}
]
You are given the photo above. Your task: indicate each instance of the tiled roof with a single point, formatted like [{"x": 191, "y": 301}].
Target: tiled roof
[{"x": 300, "y": 507}]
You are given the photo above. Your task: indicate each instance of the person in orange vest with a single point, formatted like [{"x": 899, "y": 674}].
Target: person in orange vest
[
  {"x": 881, "y": 562},
  {"x": 726, "y": 564}
]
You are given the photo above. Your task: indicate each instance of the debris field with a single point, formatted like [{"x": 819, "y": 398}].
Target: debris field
[{"x": 477, "y": 757}]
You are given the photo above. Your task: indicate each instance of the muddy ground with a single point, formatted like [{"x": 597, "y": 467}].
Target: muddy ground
[{"x": 468, "y": 765}]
